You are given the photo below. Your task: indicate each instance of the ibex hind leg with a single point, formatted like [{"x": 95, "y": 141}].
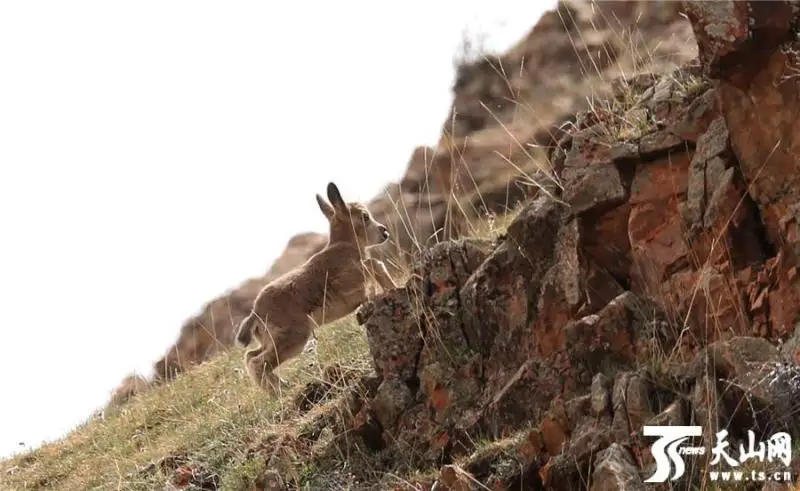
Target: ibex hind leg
[
  {"x": 282, "y": 346},
  {"x": 244, "y": 331},
  {"x": 255, "y": 365}
]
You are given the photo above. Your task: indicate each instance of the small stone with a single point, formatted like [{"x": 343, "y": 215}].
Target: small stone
[
  {"x": 659, "y": 141},
  {"x": 601, "y": 395},
  {"x": 393, "y": 397},
  {"x": 593, "y": 186},
  {"x": 615, "y": 471}
]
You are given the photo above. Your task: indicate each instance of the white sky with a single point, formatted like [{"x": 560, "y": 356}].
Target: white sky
[{"x": 154, "y": 154}]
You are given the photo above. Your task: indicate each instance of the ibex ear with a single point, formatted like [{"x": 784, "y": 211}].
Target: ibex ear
[
  {"x": 327, "y": 209},
  {"x": 335, "y": 197}
]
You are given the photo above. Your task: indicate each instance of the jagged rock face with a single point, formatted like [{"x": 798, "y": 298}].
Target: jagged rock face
[
  {"x": 506, "y": 108},
  {"x": 569, "y": 48},
  {"x": 647, "y": 284},
  {"x": 615, "y": 470},
  {"x": 670, "y": 252},
  {"x": 654, "y": 272},
  {"x": 759, "y": 97}
]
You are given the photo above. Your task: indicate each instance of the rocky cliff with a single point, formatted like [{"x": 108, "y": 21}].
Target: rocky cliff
[
  {"x": 652, "y": 282},
  {"x": 507, "y": 111},
  {"x": 649, "y": 152}
]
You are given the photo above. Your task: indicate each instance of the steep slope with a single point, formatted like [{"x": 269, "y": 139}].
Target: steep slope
[
  {"x": 507, "y": 110},
  {"x": 657, "y": 286},
  {"x": 652, "y": 281}
]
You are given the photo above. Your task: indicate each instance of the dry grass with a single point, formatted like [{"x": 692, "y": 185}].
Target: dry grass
[
  {"x": 207, "y": 419},
  {"x": 494, "y": 226},
  {"x": 213, "y": 420},
  {"x": 621, "y": 119}
]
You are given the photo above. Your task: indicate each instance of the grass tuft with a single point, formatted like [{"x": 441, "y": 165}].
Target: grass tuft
[{"x": 205, "y": 427}]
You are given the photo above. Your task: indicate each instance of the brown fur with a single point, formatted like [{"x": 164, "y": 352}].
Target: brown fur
[
  {"x": 328, "y": 286},
  {"x": 213, "y": 329}
]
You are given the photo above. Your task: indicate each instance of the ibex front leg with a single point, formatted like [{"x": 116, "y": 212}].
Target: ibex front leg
[{"x": 378, "y": 270}]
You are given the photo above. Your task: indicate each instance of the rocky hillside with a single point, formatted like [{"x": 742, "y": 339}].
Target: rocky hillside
[
  {"x": 654, "y": 284},
  {"x": 647, "y": 275},
  {"x": 508, "y": 110}
]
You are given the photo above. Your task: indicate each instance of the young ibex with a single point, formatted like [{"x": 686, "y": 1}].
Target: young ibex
[{"x": 328, "y": 286}]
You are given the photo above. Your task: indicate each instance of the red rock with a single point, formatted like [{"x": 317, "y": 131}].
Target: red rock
[
  {"x": 693, "y": 120},
  {"x": 606, "y": 241},
  {"x": 506, "y": 110},
  {"x": 657, "y": 243},
  {"x": 660, "y": 180},
  {"x": 758, "y": 96},
  {"x": 710, "y": 301},
  {"x": 554, "y": 435},
  {"x": 532, "y": 445},
  {"x": 733, "y": 37},
  {"x": 720, "y": 28}
]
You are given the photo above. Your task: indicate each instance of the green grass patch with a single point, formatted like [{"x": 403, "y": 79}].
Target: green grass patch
[{"x": 208, "y": 422}]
